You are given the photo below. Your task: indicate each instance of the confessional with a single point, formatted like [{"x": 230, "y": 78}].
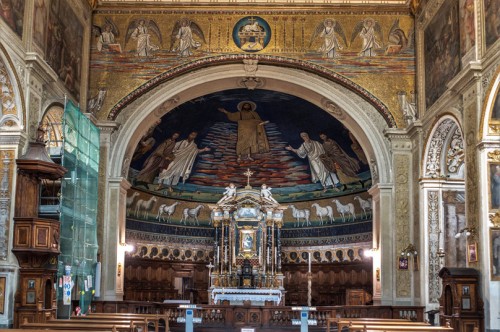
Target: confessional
[{"x": 460, "y": 303}]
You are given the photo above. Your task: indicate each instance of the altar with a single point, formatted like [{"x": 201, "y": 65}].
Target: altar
[
  {"x": 247, "y": 247},
  {"x": 256, "y": 297}
]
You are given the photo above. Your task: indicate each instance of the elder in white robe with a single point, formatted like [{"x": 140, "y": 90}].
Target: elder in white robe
[
  {"x": 185, "y": 153},
  {"x": 313, "y": 150}
]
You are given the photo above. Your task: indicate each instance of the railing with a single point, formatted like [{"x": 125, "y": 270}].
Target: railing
[{"x": 270, "y": 317}]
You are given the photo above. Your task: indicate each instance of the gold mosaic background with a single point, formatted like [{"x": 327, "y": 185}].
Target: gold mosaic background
[{"x": 382, "y": 75}]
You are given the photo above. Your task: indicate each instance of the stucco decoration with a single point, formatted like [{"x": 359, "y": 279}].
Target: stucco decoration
[
  {"x": 7, "y": 98},
  {"x": 433, "y": 160},
  {"x": 434, "y": 260},
  {"x": 5, "y": 194},
  {"x": 401, "y": 170},
  {"x": 455, "y": 154}
]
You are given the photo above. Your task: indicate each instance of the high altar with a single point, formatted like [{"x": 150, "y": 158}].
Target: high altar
[{"x": 247, "y": 247}]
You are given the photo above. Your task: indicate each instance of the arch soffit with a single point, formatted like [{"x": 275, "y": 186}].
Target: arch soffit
[
  {"x": 359, "y": 116},
  {"x": 16, "y": 119},
  {"x": 488, "y": 106},
  {"x": 443, "y": 153}
]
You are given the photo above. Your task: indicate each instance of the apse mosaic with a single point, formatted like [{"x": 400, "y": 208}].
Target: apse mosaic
[{"x": 291, "y": 151}]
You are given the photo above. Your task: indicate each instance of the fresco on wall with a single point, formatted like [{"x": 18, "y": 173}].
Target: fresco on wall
[
  {"x": 64, "y": 45},
  {"x": 12, "y": 12},
  {"x": 467, "y": 26},
  {"x": 40, "y": 23},
  {"x": 442, "y": 53},
  {"x": 294, "y": 147},
  {"x": 492, "y": 21}
]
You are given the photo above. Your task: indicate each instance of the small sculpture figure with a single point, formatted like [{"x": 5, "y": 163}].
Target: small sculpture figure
[
  {"x": 40, "y": 134},
  {"x": 229, "y": 194},
  {"x": 266, "y": 195}
]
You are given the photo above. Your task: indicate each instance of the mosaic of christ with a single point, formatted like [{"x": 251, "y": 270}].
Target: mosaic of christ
[{"x": 242, "y": 137}]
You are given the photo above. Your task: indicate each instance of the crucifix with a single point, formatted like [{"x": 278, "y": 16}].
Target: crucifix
[
  {"x": 210, "y": 267},
  {"x": 248, "y": 173}
]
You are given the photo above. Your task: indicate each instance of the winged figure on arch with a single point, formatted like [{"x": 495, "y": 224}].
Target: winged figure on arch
[
  {"x": 330, "y": 30},
  {"x": 182, "y": 37},
  {"x": 398, "y": 41},
  {"x": 370, "y": 31},
  {"x": 140, "y": 30},
  {"x": 106, "y": 36}
]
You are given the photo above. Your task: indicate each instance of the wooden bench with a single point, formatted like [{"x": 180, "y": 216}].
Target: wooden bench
[
  {"x": 145, "y": 319},
  {"x": 345, "y": 321},
  {"x": 391, "y": 328},
  {"x": 38, "y": 330},
  {"x": 60, "y": 324},
  {"x": 386, "y": 322}
]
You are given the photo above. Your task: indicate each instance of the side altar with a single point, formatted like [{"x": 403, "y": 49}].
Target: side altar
[{"x": 247, "y": 247}]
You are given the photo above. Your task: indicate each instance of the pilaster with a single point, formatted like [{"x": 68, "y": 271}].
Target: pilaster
[{"x": 402, "y": 233}]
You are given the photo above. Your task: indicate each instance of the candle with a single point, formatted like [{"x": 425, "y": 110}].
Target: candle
[{"x": 309, "y": 255}]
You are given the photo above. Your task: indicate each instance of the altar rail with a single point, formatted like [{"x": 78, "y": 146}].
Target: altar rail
[{"x": 276, "y": 318}]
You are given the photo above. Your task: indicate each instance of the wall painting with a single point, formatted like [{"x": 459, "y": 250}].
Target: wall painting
[
  {"x": 12, "y": 12},
  {"x": 64, "y": 45},
  {"x": 492, "y": 21},
  {"x": 441, "y": 51}
]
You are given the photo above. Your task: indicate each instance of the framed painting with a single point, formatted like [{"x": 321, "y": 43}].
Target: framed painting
[
  {"x": 2, "y": 294},
  {"x": 442, "y": 50},
  {"x": 472, "y": 252},
  {"x": 247, "y": 242},
  {"x": 30, "y": 297},
  {"x": 495, "y": 253},
  {"x": 403, "y": 263},
  {"x": 494, "y": 176}
]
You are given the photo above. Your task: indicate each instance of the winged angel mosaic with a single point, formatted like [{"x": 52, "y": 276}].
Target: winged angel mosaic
[
  {"x": 140, "y": 30},
  {"x": 182, "y": 37},
  {"x": 329, "y": 30},
  {"x": 370, "y": 31}
]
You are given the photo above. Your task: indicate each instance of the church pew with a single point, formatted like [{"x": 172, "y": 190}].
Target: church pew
[
  {"x": 139, "y": 319},
  {"x": 60, "y": 324},
  {"x": 346, "y": 321},
  {"x": 46, "y": 330},
  {"x": 396, "y": 328},
  {"x": 374, "y": 321}
]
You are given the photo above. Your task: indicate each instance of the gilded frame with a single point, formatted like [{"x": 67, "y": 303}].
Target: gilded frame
[
  {"x": 495, "y": 253},
  {"x": 3, "y": 282},
  {"x": 248, "y": 242},
  {"x": 472, "y": 252},
  {"x": 494, "y": 185}
]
